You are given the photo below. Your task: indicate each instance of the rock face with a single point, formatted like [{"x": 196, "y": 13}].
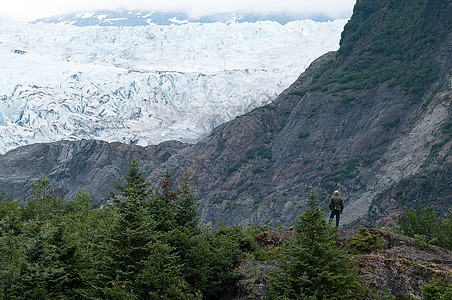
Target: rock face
[
  {"x": 329, "y": 132},
  {"x": 91, "y": 165},
  {"x": 424, "y": 188},
  {"x": 373, "y": 115}
]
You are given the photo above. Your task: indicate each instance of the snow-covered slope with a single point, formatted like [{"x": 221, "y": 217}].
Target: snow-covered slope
[
  {"x": 139, "y": 17},
  {"x": 146, "y": 84}
]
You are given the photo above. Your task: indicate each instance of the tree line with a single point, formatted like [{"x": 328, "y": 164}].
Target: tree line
[{"x": 147, "y": 243}]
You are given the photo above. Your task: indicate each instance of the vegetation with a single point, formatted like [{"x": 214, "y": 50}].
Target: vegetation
[
  {"x": 303, "y": 134},
  {"x": 438, "y": 289},
  {"x": 349, "y": 171},
  {"x": 317, "y": 268},
  {"x": 365, "y": 241},
  {"x": 392, "y": 44},
  {"x": 147, "y": 244},
  {"x": 265, "y": 152},
  {"x": 422, "y": 224}
]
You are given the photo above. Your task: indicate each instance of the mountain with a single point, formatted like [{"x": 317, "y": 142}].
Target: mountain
[
  {"x": 146, "y": 84},
  {"x": 359, "y": 120},
  {"x": 364, "y": 120},
  {"x": 139, "y": 17}
]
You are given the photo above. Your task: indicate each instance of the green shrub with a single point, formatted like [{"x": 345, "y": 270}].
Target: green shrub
[
  {"x": 234, "y": 168},
  {"x": 421, "y": 242},
  {"x": 265, "y": 152},
  {"x": 316, "y": 267},
  {"x": 438, "y": 289},
  {"x": 257, "y": 170},
  {"x": 365, "y": 241},
  {"x": 393, "y": 123},
  {"x": 422, "y": 224},
  {"x": 447, "y": 128},
  {"x": 349, "y": 171},
  {"x": 303, "y": 134}
]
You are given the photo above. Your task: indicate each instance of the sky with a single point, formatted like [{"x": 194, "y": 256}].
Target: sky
[{"x": 29, "y": 10}]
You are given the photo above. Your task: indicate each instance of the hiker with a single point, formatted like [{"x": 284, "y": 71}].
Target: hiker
[{"x": 336, "y": 207}]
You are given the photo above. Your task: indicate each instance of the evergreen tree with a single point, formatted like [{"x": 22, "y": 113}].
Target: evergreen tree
[
  {"x": 422, "y": 224},
  {"x": 131, "y": 232},
  {"x": 44, "y": 203},
  {"x": 317, "y": 268},
  {"x": 162, "y": 203},
  {"x": 161, "y": 276},
  {"x": 186, "y": 209},
  {"x": 49, "y": 265},
  {"x": 12, "y": 248},
  {"x": 209, "y": 261}
]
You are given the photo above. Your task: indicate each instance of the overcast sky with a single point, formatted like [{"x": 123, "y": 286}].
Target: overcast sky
[{"x": 33, "y": 9}]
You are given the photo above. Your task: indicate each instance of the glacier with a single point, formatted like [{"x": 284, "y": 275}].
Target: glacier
[{"x": 146, "y": 84}]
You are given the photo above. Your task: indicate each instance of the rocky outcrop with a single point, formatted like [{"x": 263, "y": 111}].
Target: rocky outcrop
[
  {"x": 430, "y": 187},
  {"x": 397, "y": 268},
  {"x": 400, "y": 268},
  {"x": 332, "y": 135}
]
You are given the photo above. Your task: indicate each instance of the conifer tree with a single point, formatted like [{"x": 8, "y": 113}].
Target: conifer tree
[
  {"x": 186, "y": 209},
  {"x": 127, "y": 245},
  {"x": 317, "y": 268},
  {"x": 44, "y": 203},
  {"x": 49, "y": 264}
]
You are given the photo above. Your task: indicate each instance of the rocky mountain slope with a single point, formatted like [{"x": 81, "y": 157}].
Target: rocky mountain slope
[
  {"x": 363, "y": 120},
  {"x": 360, "y": 120},
  {"x": 91, "y": 165}
]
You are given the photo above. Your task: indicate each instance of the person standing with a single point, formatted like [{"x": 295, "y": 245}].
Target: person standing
[{"x": 336, "y": 207}]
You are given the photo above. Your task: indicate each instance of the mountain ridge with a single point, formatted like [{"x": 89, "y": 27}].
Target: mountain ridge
[
  {"x": 335, "y": 137},
  {"x": 139, "y": 17}
]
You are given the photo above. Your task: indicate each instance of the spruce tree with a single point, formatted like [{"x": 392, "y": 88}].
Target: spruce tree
[
  {"x": 317, "y": 268},
  {"x": 186, "y": 209},
  {"x": 131, "y": 232}
]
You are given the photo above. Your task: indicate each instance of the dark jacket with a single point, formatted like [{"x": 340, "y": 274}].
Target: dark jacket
[{"x": 336, "y": 203}]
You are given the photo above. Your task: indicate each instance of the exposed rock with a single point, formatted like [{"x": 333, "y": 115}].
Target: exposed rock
[
  {"x": 360, "y": 141},
  {"x": 274, "y": 238},
  {"x": 398, "y": 268},
  {"x": 89, "y": 164},
  {"x": 424, "y": 188}
]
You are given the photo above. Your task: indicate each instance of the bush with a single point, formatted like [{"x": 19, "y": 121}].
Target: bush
[
  {"x": 303, "y": 134},
  {"x": 438, "y": 289},
  {"x": 208, "y": 264},
  {"x": 265, "y": 152},
  {"x": 365, "y": 241},
  {"x": 422, "y": 224}
]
